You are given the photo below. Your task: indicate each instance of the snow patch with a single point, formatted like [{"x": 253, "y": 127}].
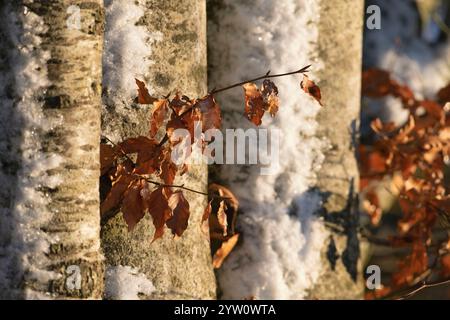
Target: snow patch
[
  {"x": 279, "y": 257},
  {"x": 127, "y": 48},
  {"x": 126, "y": 283}
]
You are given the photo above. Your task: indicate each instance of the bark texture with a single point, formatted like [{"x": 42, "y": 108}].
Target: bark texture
[
  {"x": 340, "y": 50},
  {"x": 47, "y": 252},
  {"x": 178, "y": 268}
]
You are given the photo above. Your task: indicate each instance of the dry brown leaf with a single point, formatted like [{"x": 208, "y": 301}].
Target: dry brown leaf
[
  {"x": 222, "y": 217},
  {"x": 158, "y": 207},
  {"x": 168, "y": 169},
  {"x": 231, "y": 208},
  {"x": 143, "y": 95},
  {"x": 270, "y": 97},
  {"x": 159, "y": 113},
  {"x": 181, "y": 104},
  {"x": 210, "y": 113},
  {"x": 133, "y": 207},
  {"x": 207, "y": 212},
  {"x": 376, "y": 83},
  {"x": 108, "y": 155},
  {"x": 115, "y": 195},
  {"x": 257, "y": 101},
  {"x": 371, "y": 205},
  {"x": 311, "y": 88},
  {"x": 178, "y": 223},
  {"x": 254, "y": 103},
  {"x": 224, "y": 251}
]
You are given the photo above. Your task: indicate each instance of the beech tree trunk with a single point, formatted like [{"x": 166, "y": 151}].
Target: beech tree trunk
[
  {"x": 51, "y": 98},
  {"x": 340, "y": 48},
  {"x": 287, "y": 249},
  {"x": 176, "y": 58}
]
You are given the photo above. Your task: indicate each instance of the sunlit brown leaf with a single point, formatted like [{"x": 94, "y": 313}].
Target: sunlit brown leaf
[
  {"x": 254, "y": 103},
  {"x": 224, "y": 251},
  {"x": 207, "y": 212},
  {"x": 371, "y": 205},
  {"x": 376, "y": 83},
  {"x": 147, "y": 153},
  {"x": 137, "y": 145},
  {"x": 178, "y": 223},
  {"x": 181, "y": 104},
  {"x": 270, "y": 97},
  {"x": 222, "y": 217},
  {"x": 415, "y": 264},
  {"x": 160, "y": 110},
  {"x": 133, "y": 207},
  {"x": 158, "y": 208},
  {"x": 382, "y": 128},
  {"x": 311, "y": 88},
  {"x": 143, "y": 95},
  {"x": 210, "y": 113},
  {"x": 115, "y": 195},
  {"x": 205, "y": 218},
  {"x": 174, "y": 124},
  {"x": 168, "y": 169},
  {"x": 257, "y": 101}
]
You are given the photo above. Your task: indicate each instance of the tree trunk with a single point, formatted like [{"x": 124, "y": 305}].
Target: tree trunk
[
  {"x": 168, "y": 51},
  {"x": 51, "y": 87},
  {"x": 340, "y": 48},
  {"x": 286, "y": 250}
]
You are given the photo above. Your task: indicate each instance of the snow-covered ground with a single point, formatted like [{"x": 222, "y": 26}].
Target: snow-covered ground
[{"x": 279, "y": 257}]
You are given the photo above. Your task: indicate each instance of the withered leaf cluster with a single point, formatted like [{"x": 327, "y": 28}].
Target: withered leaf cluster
[
  {"x": 414, "y": 156},
  {"x": 142, "y": 174}
]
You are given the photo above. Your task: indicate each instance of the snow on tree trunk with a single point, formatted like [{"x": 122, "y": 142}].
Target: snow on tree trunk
[
  {"x": 286, "y": 251},
  {"x": 164, "y": 44},
  {"x": 50, "y": 97}
]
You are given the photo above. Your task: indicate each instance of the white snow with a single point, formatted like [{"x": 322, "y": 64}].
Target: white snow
[
  {"x": 127, "y": 47},
  {"x": 23, "y": 244},
  {"x": 126, "y": 283},
  {"x": 280, "y": 253}
]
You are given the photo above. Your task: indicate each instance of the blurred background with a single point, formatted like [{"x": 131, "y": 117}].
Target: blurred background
[{"x": 413, "y": 45}]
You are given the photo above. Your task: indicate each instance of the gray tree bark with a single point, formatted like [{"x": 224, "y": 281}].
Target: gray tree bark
[
  {"x": 51, "y": 102},
  {"x": 340, "y": 48},
  {"x": 178, "y": 268}
]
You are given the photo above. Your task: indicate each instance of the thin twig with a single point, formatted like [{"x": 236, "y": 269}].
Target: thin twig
[
  {"x": 424, "y": 286},
  {"x": 422, "y": 281},
  {"x": 266, "y": 76},
  {"x": 215, "y": 91},
  {"x": 185, "y": 188},
  {"x": 181, "y": 186}
]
